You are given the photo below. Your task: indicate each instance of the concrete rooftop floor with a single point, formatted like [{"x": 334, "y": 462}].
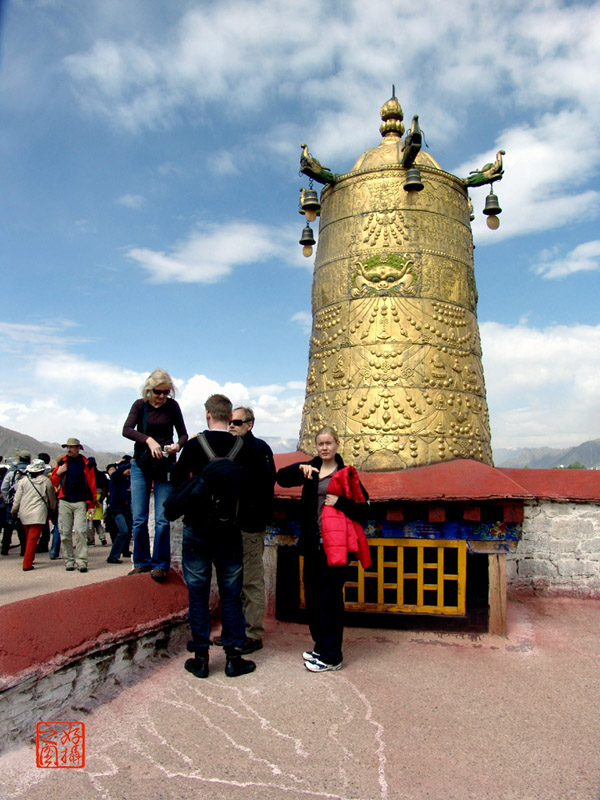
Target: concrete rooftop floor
[{"x": 412, "y": 715}]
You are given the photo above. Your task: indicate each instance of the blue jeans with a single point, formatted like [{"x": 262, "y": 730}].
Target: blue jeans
[
  {"x": 55, "y": 546},
  {"x": 141, "y": 487},
  {"x": 198, "y": 558},
  {"x": 121, "y": 540}
]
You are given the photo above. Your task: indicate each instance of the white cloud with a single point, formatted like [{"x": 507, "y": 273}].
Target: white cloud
[
  {"x": 50, "y": 420},
  {"x": 533, "y": 193},
  {"x": 80, "y": 373},
  {"x": 211, "y": 252},
  {"x": 277, "y": 408},
  {"x": 270, "y": 388},
  {"x": 15, "y": 336},
  {"x": 540, "y": 60},
  {"x": 543, "y": 385},
  {"x": 223, "y": 163},
  {"x": 133, "y": 201},
  {"x": 304, "y": 319},
  {"x": 64, "y": 395},
  {"x": 543, "y": 389},
  {"x": 583, "y": 258}
]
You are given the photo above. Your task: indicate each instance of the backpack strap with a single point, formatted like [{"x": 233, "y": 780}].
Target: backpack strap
[
  {"x": 237, "y": 446},
  {"x": 210, "y": 453}
]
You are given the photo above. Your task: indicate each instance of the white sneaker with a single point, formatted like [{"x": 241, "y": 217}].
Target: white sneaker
[
  {"x": 321, "y": 666},
  {"x": 310, "y": 655}
]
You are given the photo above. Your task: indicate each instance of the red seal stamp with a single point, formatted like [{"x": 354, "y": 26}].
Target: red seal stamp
[{"x": 60, "y": 745}]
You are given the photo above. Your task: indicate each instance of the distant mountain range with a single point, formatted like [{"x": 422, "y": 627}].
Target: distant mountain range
[
  {"x": 11, "y": 441},
  {"x": 587, "y": 453},
  {"x": 279, "y": 445}
]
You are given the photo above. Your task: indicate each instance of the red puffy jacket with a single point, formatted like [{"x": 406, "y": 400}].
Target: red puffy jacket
[{"x": 342, "y": 535}]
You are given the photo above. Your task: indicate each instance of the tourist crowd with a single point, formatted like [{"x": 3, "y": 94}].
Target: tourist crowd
[{"x": 222, "y": 483}]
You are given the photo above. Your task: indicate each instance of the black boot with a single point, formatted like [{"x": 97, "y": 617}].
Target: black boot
[
  {"x": 198, "y": 665},
  {"x": 236, "y": 665}
]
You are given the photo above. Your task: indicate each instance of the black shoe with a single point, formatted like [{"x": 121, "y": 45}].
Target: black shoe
[
  {"x": 27, "y": 569},
  {"x": 197, "y": 666},
  {"x": 251, "y": 646},
  {"x": 238, "y": 666},
  {"x": 70, "y": 569},
  {"x": 82, "y": 569},
  {"x": 112, "y": 560}
]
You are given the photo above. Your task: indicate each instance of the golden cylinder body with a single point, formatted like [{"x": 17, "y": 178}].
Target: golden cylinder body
[{"x": 395, "y": 356}]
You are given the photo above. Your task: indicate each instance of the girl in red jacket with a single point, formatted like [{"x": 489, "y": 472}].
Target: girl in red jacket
[{"x": 325, "y": 573}]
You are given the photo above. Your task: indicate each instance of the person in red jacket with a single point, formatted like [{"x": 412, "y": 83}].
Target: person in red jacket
[
  {"x": 75, "y": 481},
  {"x": 323, "y": 582}
]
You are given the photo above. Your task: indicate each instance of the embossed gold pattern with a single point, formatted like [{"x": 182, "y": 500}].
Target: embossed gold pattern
[{"x": 395, "y": 355}]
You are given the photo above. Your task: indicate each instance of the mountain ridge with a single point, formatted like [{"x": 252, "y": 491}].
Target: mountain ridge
[
  {"x": 586, "y": 453},
  {"x": 11, "y": 441}
]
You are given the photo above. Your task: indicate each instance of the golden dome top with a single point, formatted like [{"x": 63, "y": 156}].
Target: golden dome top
[
  {"x": 390, "y": 149},
  {"x": 392, "y": 116}
]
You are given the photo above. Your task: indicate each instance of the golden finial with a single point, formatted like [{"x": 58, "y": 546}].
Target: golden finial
[{"x": 392, "y": 116}]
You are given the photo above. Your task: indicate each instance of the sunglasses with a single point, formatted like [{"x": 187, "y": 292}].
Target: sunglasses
[
  {"x": 238, "y": 422},
  {"x": 161, "y": 391}
]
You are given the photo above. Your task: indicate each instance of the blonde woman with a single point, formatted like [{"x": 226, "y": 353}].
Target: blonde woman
[
  {"x": 323, "y": 583},
  {"x": 150, "y": 425}
]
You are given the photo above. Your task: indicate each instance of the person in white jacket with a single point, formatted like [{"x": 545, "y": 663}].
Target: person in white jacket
[{"x": 35, "y": 499}]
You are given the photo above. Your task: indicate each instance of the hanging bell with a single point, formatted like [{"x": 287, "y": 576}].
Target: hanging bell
[
  {"x": 309, "y": 204},
  {"x": 307, "y": 240},
  {"x": 491, "y": 210},
  {"x": 413, "y": 180},
  {"x": 491, "y": 205}
]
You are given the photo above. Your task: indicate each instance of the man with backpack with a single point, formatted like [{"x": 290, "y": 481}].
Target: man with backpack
[
  {"x": 9, "y": 489},
  {"x": 217, "y": 462}
]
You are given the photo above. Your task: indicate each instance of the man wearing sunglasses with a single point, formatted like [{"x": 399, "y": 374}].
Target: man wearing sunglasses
[{"x": 253, "y": 521}]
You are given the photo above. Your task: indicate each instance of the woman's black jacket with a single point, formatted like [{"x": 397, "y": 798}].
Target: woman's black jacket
[{"x": 309, "y": 523}]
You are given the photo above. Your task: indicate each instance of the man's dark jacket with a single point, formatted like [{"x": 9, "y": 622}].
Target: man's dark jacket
[{"x": 259, "y": 509}]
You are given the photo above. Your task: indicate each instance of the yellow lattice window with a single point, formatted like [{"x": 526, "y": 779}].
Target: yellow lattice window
[
  {"x": 418, "y": 576},
  {"x": 426, "y": 576}
]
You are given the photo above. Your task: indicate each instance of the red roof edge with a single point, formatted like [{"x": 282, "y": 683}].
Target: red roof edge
[{"x": 575, "y": 485}]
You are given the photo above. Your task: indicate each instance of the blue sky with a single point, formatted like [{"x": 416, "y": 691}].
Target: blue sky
[{"x": 149, "y": 156}]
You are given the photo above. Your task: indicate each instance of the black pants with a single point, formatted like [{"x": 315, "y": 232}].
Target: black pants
[
  {"x": 324, "y": 596},
  {"x": 13, "y": 524}
]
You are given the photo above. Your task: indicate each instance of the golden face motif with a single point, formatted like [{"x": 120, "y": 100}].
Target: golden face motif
[{"x": 390, "y": 274}]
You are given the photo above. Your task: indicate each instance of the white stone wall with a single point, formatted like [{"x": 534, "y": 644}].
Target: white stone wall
[{"x": 560, "y": 550}]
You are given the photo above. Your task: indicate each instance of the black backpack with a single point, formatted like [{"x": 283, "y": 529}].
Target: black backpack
[
  {"x": 214, "y": 495},
  {"x": 12, "y": 488},
  {"x": 223, "y": 478}
]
